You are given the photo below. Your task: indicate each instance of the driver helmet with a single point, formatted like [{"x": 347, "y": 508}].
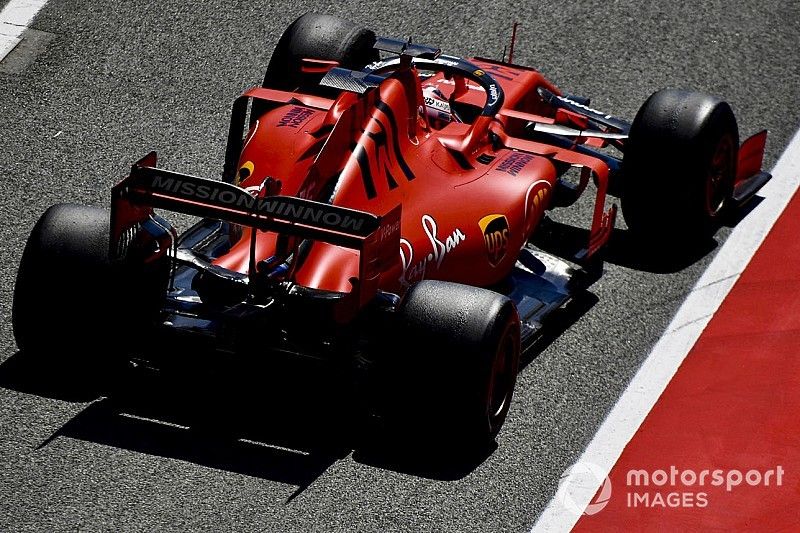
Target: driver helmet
[{"x": 437, "y": 108}]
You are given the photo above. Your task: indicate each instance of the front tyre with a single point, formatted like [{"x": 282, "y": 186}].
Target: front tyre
[
  {"x": 317, "y": 36},
  {"x": 679, "y": 166}
]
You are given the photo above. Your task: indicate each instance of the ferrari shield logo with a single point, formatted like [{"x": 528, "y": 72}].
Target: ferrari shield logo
[{"x": 495, "y": 236}]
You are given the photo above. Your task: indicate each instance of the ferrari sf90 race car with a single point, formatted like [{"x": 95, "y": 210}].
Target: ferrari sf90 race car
[{"x": 376, "y": 211}]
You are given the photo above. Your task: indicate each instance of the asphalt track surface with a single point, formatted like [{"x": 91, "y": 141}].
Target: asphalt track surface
[{"x": 103, "y": 83}]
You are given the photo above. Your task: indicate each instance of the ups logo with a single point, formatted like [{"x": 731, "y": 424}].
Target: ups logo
[{"x": 495, "y": 236}]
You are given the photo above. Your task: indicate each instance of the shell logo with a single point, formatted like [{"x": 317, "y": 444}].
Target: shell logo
[
  {"x": 539, "y": 197},
  {"x": 245, "y": 171},
  {"x": 535, "y": 202}
]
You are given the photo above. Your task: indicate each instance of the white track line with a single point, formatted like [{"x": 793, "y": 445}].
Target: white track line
[
  {"x": 669, "y": 352},
  {"x": 14, "y": 20}
]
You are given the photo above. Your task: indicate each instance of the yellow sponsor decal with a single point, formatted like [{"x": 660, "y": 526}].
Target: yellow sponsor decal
[
  {"x": 245, "y": 171},
  {"x": 495, "y": 236}
]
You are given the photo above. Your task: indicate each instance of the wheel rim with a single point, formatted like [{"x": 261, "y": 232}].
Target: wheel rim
[
  {"x": 719, "y": 175},
  {"x": 501, "y": 380}
]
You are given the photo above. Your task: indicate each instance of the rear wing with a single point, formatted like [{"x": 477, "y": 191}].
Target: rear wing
[{"x": 148, "y": 187}]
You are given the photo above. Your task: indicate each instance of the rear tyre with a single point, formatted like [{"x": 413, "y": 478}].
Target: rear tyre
[
  {"x": 680, "y": 166},
  {"x": 68, "y": 299},
  {"x": 316, "y": 36},
  {"x": 451, "y": 382}
]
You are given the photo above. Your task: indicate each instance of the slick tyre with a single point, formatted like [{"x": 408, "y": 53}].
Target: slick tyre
[
  {"x": 451, "y": 382},
  {"x": 316, "y": 36},
  {"x": 679, "y": 167},
  {"x": 68, "y": 299}
]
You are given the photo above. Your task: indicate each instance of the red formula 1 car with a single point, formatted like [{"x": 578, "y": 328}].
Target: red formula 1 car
[{"x": 378, "y": 213}]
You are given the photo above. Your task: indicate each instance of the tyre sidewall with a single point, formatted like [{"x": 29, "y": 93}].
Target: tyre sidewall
[{"x": 439, "y": 372}]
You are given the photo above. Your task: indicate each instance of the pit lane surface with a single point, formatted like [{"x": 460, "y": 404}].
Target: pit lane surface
[{"x": 118, "y": 81}]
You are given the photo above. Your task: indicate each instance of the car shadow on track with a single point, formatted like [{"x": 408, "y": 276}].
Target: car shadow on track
[
  {"x": 25, "y": 374},
  {"x": 196, "y": 419},
  {"x": 286, "y": 431},
  {"x": 623, "y": 249},
  {"x": 105, "y": 422}
]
